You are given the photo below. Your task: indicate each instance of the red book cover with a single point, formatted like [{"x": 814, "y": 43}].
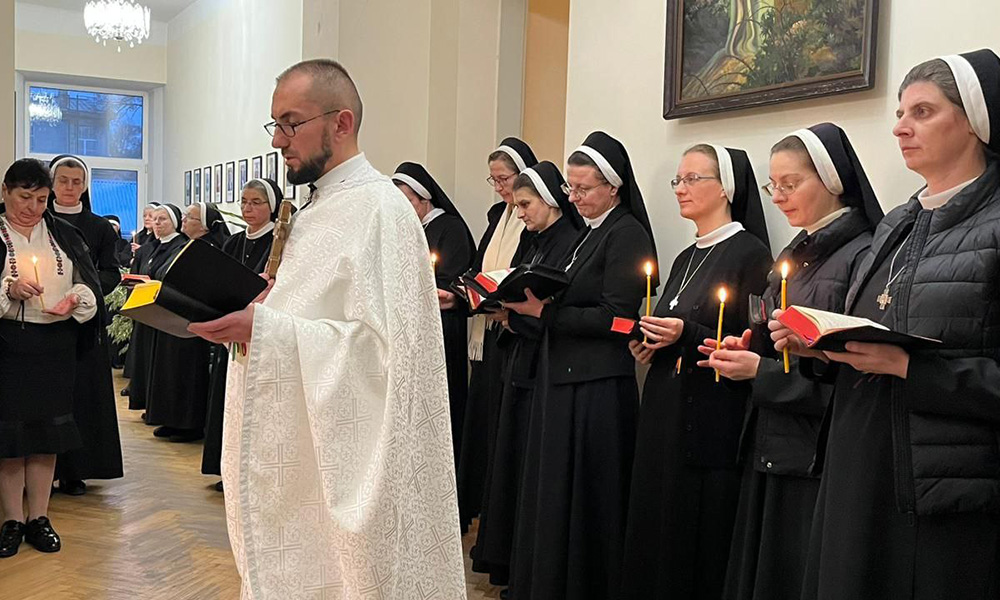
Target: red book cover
[{"x": 620, "y": 325}]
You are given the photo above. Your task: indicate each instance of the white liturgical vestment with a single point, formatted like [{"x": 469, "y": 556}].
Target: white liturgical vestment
[{"x": 337, "y": 459}]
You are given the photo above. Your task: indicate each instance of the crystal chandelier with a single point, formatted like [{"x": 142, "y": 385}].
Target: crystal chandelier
[
  {"x": 117, "y": 20},
  {"x": 43, "y": 110}
]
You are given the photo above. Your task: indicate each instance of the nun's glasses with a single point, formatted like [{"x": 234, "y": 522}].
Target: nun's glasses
[
  {"x": 288, "y": 129},
  {"x": 580, "y": 192},
  {"x": 689, "y": 180}
]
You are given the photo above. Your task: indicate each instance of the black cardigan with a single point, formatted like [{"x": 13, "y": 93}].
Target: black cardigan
[{"x": 606, "y": 281}]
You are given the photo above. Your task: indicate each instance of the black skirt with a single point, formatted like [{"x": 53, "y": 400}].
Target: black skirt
[
  {"x": 482, "y": 411},
  {"x": 456, "y": 353},
  {"x": 574, "y": 498},
  {"x": 178, "y": 383},
  {"x": 96, "y": 416},
  {"x": 138, "y": 362},
  {"x": 494, "y": 540},
  {"x": 768, "y": 555},
  {"x": 211, "y": 455},
  {"x": 37, "y": 372}
]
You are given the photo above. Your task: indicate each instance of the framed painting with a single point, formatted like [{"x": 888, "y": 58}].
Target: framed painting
[
  {"x": 218, "y": 184},
  {"x": 257, "y": 167},
  {"x": 206, "y": 175},
  {"x": 730, "y": 54},
  {"x": 230, "y": 182},
  {"x": 197, "y": 186},
  {"x": 272, "y": 166},
  {"x": 244, "y": 175},
  {"x": 187, "y": 188},
  {"x": 290, "y": 192}
]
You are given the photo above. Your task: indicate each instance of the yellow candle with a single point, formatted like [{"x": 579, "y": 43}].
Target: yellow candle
[
  {"x": 649, "y": 290},
  {"x": 38, "y": 280},
  {"x": 784, "y": 304},
  {"x": 718, "y": 335}
]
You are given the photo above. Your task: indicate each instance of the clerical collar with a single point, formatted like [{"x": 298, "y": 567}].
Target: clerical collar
[
  {"x": 433, "y": 214},
  {"x": 932, "y": 201},
  {"x": 68, "y": 210},
  {"x": 260, "y": 232},
  {"x": 596, "y": 222},
  {"x": 341, "y": 171},
  {"x": 165, "y": 239},
  {"x": 830, "y": 218},
  {"x": 720, "y": 234}
]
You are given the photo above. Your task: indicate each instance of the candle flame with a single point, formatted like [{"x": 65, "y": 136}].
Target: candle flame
[
  {"x": 649, "y": 269},
  {"x": 34, "y": 259},
  {"x": 722, "y": 294},
  {"x": 434, "y": 258},
  {"x": 784, "y": 270}
]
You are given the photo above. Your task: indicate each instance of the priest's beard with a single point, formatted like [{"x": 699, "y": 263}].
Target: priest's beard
[{"x": 312, "y": 168}]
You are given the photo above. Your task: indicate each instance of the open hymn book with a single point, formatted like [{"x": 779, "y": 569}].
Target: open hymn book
[
  {"x": 823, "y": 330},
  {"x": 485, "y": 291}
]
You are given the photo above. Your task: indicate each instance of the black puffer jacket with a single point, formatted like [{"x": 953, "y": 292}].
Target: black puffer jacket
[
  {"x": 946, "y": 413},
  {"x": 787, "y": 409}
]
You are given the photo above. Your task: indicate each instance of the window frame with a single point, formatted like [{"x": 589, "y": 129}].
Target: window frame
[{"x": 139, "y": 165}]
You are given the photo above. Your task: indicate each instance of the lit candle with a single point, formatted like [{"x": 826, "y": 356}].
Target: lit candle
[
  {"x": 38, "y": 280},
  {"x": 434, "y": 262},
  {"x": 784, "y": 304},
  {"x": 718, "y": 336},
  {"x": 649, "y": 290}
]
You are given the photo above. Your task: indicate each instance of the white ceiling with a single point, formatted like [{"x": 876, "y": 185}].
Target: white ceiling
[{"x": 161, "y": 10}]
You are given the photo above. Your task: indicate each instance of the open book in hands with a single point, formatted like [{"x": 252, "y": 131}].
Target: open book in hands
[
  {"x": 486, "y": 291},
  {"x": 822, "y": 330}
]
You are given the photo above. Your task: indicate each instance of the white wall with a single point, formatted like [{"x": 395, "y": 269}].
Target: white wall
[
  {"x": 222, "y": 59},
  {"x": 7, "y": 83},
  {"x": 615, "y": 83},
  {"x": 53, "y": 40}
]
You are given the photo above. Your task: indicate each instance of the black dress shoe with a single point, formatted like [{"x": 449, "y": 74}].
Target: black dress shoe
[
  {"x": 73, "y": 487},
  {"x": 39, "y": 533},
  {"x": 125, "y": 391},
  {"x": 11, "y": 535},
  {"x": 504, "y": 594},
  {"x": 218, "y": 487},
  {"x": 182, "y": 436},
  {"x": 164, "y": 432}
]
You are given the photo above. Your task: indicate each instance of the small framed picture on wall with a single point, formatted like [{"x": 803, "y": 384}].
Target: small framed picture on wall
[
  {"x": 230, "y": 182},
  {"x": 257, "y": 167},
  {"x": 218, "y": 184},
  {"x": 272, "y": 166},
  {"x": 197, "y": 186},
  {"x": 187, "y": 188},
  {"x": 243, "y": 174},
  {"x": 289, "y": 188},
  {"x": 206, "y": 186}
]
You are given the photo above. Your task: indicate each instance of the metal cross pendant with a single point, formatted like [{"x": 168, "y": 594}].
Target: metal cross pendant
[
  {"x": 884, "y": 299},
  {"x": 673, "y": 303}
]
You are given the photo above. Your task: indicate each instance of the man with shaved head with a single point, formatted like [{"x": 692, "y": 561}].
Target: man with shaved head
[{"x": 339, "y": 477}]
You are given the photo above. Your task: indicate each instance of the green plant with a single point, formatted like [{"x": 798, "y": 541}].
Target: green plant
[{"x": 120, "y": 328}]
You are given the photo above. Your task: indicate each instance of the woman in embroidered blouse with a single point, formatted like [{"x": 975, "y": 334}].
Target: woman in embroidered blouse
[{"x": 50, "y": 291}]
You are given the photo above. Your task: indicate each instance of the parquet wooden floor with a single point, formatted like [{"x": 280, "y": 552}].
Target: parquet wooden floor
[{"x": 157, "y": 534}]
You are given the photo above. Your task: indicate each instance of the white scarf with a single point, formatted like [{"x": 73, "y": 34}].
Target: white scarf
[{"x": 499, "y": 252}]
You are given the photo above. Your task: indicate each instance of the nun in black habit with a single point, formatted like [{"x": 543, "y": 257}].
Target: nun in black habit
[
  {"x": 123, "y": 247},
  {"x": 177, "y": 398},
  {"x": 94, "y": 410},
  {"x": 819, "y": 184},
  {"x": 685, "y": 483},
  {"x": 151, "y": 259},
  {"x": 553, "y": 224},
  {"x": 909, "y": 501},
  {"x": 452, "y": 249},
  {"x": 496, "y": 250},
  {"x": 139, "y": 241},
  {"x": 570, "y": 527},
  {"x": 259, "y": 206}
]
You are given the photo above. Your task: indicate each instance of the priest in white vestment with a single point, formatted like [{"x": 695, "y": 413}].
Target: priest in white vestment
[{"x": 337, "y": 461}]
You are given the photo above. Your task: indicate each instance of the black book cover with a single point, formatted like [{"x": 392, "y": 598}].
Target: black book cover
[{"x": 543, "y": 281}]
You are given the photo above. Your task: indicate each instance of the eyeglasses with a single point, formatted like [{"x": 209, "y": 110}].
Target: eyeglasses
[
  {"x": 786, "y": 189},
  {"x": 689, "y": 180},
  {"x": 245, "y": 203},
  {"x": 187, "y": 218},
  {"x": 501, "y": 181},
  {"x": 288, "y": 129},
  {"x": 580, "y": 191}
]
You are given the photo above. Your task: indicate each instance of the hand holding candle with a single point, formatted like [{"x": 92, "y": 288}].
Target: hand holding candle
[
  {"x": 38, "y": 280},
  {"x": 718, "y": 335},
  {"x": 649, "y": 291},
  {"x": 784, "y": 304}
]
